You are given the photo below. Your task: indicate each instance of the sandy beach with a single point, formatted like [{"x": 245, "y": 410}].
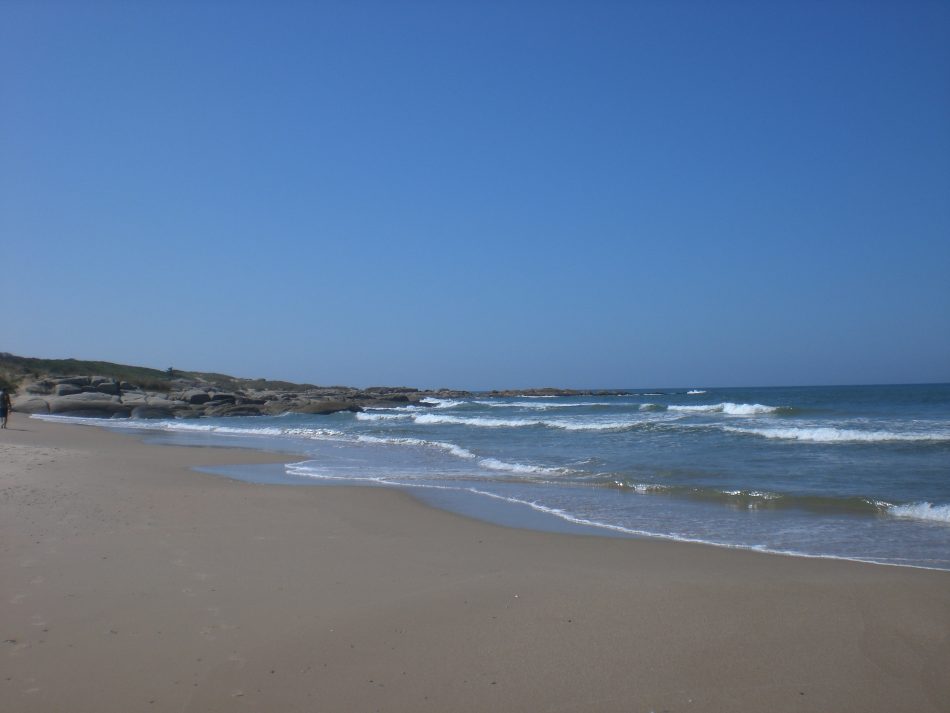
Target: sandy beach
[{"x": 132, "y": 583}]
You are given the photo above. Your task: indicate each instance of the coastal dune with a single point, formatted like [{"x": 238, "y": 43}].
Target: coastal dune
[{"x": 133, "y": 583}]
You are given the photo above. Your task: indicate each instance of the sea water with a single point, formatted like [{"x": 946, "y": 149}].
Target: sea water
[{"x": 855, "y": 472}]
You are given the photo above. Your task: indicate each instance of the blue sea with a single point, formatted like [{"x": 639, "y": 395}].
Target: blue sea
[{"x": 854, "y": 472}]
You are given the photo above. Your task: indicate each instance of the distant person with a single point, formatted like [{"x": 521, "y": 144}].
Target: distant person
[{"x": 5, "y": 407}]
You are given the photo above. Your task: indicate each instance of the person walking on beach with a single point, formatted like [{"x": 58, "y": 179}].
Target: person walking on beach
[{"x": 5, "y": 407}]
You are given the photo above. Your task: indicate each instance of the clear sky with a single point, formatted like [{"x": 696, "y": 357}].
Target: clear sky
[{"x": 480, "y": 194}]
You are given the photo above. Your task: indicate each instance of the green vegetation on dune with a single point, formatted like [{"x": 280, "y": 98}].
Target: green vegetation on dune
[{"x": 16, "y": 369}]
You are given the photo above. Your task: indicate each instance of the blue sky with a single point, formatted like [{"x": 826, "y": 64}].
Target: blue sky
[{"x": 481, "y": 194}]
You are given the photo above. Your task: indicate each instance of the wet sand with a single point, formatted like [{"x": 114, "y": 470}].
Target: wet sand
[{"x": 132, "y": 583}]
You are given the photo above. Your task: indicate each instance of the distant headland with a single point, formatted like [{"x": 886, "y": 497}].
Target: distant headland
[{"x": 107, "y": 390}]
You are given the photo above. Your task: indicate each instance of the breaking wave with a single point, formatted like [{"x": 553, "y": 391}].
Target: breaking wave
[
  {"x": 431, "y": 418},
  {"x": 828, "y": 434},
  {"x": 440, "y": 403},
  {"x": 495, "y": 464},
  {"x": 381, "y": 416},
  {"x": 441, "y": 445},
  {"x": 562, "y": 424},
  {"x": 730, "y": 409},
  {"x": 922, "y": 511},
  {"x": 545, "y": 406}
]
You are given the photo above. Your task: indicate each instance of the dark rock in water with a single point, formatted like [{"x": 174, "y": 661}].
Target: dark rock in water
[
  {"x": 66, "y": 390},
  {"x": 152, "y": 412},
  {"x": 27, "y": 403},
  {"x": 384, "y": 399},
  {"x": 387, "y": 403},
  {"x": 325, "y": 407},
  {"x": 548, "y": 391}
]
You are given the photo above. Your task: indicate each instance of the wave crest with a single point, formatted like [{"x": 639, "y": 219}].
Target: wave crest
[
  {"x": 828, "y": 434},
  {"x": 728, "y": 408},
  {"x": 921, "y": 511}
]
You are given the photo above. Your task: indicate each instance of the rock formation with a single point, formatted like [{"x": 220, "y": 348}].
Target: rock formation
[{"x": 100, "y": 397}]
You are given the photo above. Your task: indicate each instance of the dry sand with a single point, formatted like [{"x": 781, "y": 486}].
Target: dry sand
[{"x": 130, "y": 583}]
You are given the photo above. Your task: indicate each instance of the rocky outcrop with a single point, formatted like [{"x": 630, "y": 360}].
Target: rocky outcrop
[
  {"x": 39, "y": 387},
  {"x": 324, "y": 407},
  {"x": 29, "y": 403},
  {"x": 556, "y": 392},
  {"x": 108, "y": 397},
  {"x": 88, "y": 404},
  {"x": 195, "y": 396},
  {"x": 232, "y": 410}
]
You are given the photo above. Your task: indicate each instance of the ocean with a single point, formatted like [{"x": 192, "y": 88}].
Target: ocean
[{"x": 853, "y": 472}]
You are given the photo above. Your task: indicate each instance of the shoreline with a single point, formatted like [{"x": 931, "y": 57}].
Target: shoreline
[
  {"x": 485, "y": 507},
  {"x": 136, "y": 582}
]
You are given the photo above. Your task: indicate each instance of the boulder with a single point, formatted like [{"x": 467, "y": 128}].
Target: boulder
[
  {"x": 231, "y": 410},
  {"x": 276, "y": 408},
  {"x": 66, "y": 390},
  {"x": 88, "y": 404},
  {"x": 196, "y": 396},
  {"x": 390, "y": 398},
  {"x": 187, "y": 413},
  {"x": 108, "y": 387},
  {"x": 221, "y": 398},
  {"x": 27, "y": 403},
  {"x": 40, "y": 387},
  {"x": 324, "y": 407},
  {"x": 74, "y": 380},
  {"x": 162, "y": 402}
]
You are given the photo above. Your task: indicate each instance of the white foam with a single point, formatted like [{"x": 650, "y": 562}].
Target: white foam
[
  {"x": 440, "y": 403},
  {"x": 921, "y": 511},
  {"x": 727, "y": 408},
  {"x": 381, "y": 416},
  {"x": 594, "y": 425},
  {"x": 410, "y": 407},
  {"x": 495, "y": 464},
  {"x": 693, "y": 392},
  {"x": 827, "y": 434},
  {"x": 432, "y": 418},
  {"x": 542, "y": 406},
  {"x": 562, "y": 424},
  {"x": 442, "y": 445},
  {"x": 194, "y": 426}
]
